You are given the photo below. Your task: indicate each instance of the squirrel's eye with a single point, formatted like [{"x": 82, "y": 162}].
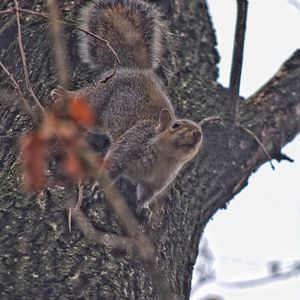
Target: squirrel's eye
[{"x": 176, "y": 125}]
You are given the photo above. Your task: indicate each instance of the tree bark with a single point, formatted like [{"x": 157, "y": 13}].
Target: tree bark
[{"x": 39, "y": 256}]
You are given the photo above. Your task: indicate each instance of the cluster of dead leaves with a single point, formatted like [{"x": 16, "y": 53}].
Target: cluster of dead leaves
[{"x": 63, "y": 124}]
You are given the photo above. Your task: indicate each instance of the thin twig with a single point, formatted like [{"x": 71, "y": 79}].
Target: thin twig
[
  {"x": 260, "y": 144},
  {"x": 70, "y": 219},
  {"x": 23, "y": 56},
  {"x": 80, "y": 195},
  {"x": 77, "y": 206},
  {"x": 6, "y": 11},
  {"x": 32, "y": 12},
  {"x": 252, "y": 134},
  {"x": 237, "y": 58},
  {"x": 141, "y": 241},
  {"x": 104, "y": 80},
  {"x": 110, "y": 240},
  {"x": 107, "y": 42},
  {"x": 116, "y": 58},
  {"x": 58, "y": 43},
  {"x": 124, "y": 215},
  {"x": 261, "y": 281},
  {"x": 19, "y": 92},
  {"x": 238, "y": 51}
]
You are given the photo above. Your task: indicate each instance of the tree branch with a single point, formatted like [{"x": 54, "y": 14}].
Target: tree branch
[
  {"x": 61, "y": 58},
  {"x": 23, "y": 56},
  {"x": 237, "y": 57},
  {"x": 261, "y": 281},
  {"x": 273, "y": 115}
]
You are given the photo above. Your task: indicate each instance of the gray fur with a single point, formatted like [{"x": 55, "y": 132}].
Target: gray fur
[
  {"x": 133, "y": 104},
  {"x": 151, "y": 32}
]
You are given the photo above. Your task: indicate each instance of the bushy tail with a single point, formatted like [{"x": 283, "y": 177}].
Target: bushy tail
[{"x": 136, "y": 31}]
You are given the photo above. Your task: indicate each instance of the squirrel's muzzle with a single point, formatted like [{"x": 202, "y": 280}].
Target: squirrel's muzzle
[{"x": 197, "y": 136}]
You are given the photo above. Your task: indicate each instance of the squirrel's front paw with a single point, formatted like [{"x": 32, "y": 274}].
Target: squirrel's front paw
[{"x": 57, "y": 94}]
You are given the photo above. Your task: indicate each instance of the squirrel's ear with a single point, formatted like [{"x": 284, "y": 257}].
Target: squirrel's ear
[{"x": 165, "y": 118}]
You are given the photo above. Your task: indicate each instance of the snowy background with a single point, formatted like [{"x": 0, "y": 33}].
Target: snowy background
[{"x": 262, "y": 225}]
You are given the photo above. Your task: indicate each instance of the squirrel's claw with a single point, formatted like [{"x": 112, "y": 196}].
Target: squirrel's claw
[{"x": 57, "y": 94}]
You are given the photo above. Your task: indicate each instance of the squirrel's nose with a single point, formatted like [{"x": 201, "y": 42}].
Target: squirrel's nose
[{"x": 197, "y": 134}]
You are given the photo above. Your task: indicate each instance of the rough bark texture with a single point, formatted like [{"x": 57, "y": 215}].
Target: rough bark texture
[{"x": 38, "y": 255}]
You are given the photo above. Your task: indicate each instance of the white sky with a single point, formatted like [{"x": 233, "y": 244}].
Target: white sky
[{"x": 262, "y": 223}]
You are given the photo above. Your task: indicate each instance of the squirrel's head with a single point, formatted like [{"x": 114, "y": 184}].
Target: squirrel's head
[{"x": 178, "y": 138}]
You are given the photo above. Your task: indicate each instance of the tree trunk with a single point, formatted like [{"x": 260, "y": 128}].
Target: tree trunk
[{"x": 40, "y": 258}]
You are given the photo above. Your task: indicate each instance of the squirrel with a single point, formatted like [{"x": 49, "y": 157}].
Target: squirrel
[{"x": 149, "y": 145}]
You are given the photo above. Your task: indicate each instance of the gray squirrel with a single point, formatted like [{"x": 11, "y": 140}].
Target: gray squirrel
[{"x": 149, "y": 145}]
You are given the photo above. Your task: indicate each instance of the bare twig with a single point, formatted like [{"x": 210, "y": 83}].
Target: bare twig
[
  {"x": 77, "y": 207},
  {"x": 124, "y": 215},
  {"x": 109, "y": 240},
  {"x": 260, "y": 144},
  {"x": 58, "y": 43},
  {"x": 237, "y": 58},
  {"x": 80, "y": 195},
  {"x": 19, "y": 92},
  {"x": 70, "y": 218},
  {"x": 261, "y": 281},
  {"x": 107, "y": 42},
  {"x": 23, "y": 56},
  {"x": 36, "y": 13},
  {"x": 252, "y": 134},
  {"x": 112, "y": 73},
  {"x": 57, "y": 21},
  {"x": 141, "y": 241},
  {"x": 6, "y": 11}
]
